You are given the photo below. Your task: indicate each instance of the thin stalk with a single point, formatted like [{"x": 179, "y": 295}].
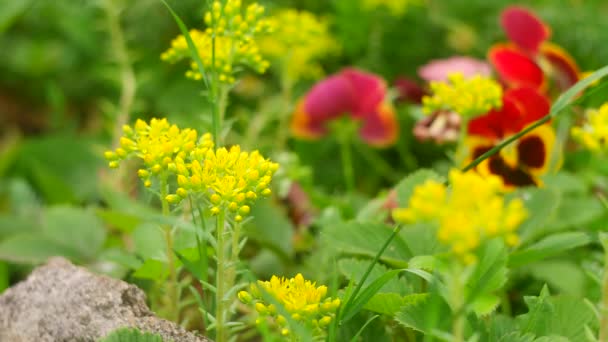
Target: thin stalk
[
  {"x": 173, "y": 286},
  {"x": 347, "y": 162},
  {"x": 371, "y": 265},
  {"x": 506, "y": 142},
  {"x": 213, "y": 98},
  {"x": 127, "y": 75},
  {"x": 220, "y": 302},
  {"x": 286, "y": 88},
  {"x": 456, "y": 284}
]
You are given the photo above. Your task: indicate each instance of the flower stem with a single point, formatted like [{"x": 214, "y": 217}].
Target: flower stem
[
  {"x": 220, "y": 301},
  {"x": 347, "y": 162},
  {"x": 456, "y": 288},
  {"x": 173, "y": 290},
  {"x": 283, "y": 117}
]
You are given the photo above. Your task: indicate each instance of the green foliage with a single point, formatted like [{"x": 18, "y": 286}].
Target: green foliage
[{"x": 131, "y": 335}]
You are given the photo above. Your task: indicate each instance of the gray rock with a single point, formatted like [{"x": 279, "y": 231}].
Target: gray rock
[{"x": 60, "y": 302}]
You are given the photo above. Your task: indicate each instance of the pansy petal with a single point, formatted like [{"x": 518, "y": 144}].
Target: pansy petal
[
  {"x": 563, "y": 67},
  {"x": 515, "y": 68},
  {"x": 524, "y": 28},
  {"x": 533, "y": 104},
  {"x": 368, "y": 91},
  {"x": 380, "y": 128},
  {"x": 439, "y": 69},
  {"x": 303, "y": 126},
  {"x": 511, "y": 177},
  {"x": 534, "y": 149},
  {"x": 498, "y": 123},
  {"x": 329, "y": 99}
]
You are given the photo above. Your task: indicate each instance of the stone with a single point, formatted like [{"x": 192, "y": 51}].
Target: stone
[{"x": 60, "y": 302}]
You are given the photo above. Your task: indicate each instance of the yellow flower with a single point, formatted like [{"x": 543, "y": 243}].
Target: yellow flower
[
  {"x": 301, "y": 38},
  {"x": 395, "y": 7},
  {"x": 467, "y": 97},
  {"x": 593, "y": 134},
  {"x": 158, "y": 144},
  {"x": 235, "y": 31},
  {"x": 229, "y": 178},
  {"x": 302, "y": 299},
  {"x": 471, "y": 211}
]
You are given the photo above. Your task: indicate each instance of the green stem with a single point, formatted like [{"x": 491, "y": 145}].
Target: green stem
[
  {"x": 286, "y": 87},
  {"x": 456, "y": 285},
  {"x": 173, "y": 286},
  {"x": 220, "y": 302},
  {"x": 371, "y": 266},
  {"x": 506, "y": 142},
  {"x": 347, "y": 162}
]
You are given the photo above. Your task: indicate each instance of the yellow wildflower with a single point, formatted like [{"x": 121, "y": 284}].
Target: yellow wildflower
[
  {"x": 467, "y": 97},
  {"x": 593, "y": 134},
  {"x": 229, "y": 178},
  {"x": 302, "y": 299},
  {"x": 301, "y": 39},
  {"x": 395, "y": 7},
  {"x": 235, "y": 31},
  {"x": 158, "y": 144},
  {"x": 466, "y": 214}
]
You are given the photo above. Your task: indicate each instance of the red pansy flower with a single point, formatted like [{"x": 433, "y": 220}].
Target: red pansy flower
[
  {"x": 520, "y": 62},
  {"x": 352, "y": 92},
  {"x": 520, "y": 163}
]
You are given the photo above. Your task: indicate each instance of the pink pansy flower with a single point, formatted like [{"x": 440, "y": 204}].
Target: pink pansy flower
[
  {"x": 439, "y": 69},
  {"x": 360, "y": 95}
]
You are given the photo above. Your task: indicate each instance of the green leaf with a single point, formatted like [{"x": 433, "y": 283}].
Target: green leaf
[
  {"x": 131, "y": 335},
  {"x": 12, "y": 224},
  {"x": 575, "y": 212},
  {"x": 422, "y": 311},
  {"x": 542, "y": 205},
  {"x": 152, "y": 269},
  {"x": 366, "y": 239},
  {"x": 10, "y": 11},
  {"x": 76, "y": 228},
  {"x": 33, "y": 248},
  {"x": 354, "y": 305},
  {"x": 557, "y": 316},
  {"x": 549, "y": 246},
  {"x": 121, "y": 257},
  {"x": 405, "y": 188},
  {"x": 271, "y": 228},
  {"x": 358, "y": 334},
  {"x": 552, "y": 272},
  {"x": 566, "y": 182},
  {"x": 390, "y": 303},
  {"x": 122, "y": 221},
  {"x": 485, "y": 304},
  {"x": 4, "y": 276},
  {"x": 490, "y": 274},
  {"x": 353, "y": 269},
  {"x": 423, "y": 262},
  {"x": 149, "y": 242}
]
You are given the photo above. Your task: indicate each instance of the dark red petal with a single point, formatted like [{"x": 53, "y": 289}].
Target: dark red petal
[
  {"x": 533, "y": 104},
  {"x": 524, "y": 28},
  {"x": 409, "y": 90},
  {"x": 329, "y": 99},
  {"x": 532, "y": 152},
  {"x": 510, "y": 176},
  {"x": 515, "y": 68},
  {"x": 380, "y": 128},
  {"x": 368, "y": 90},
  {"x": 498, "y": 123},
  {"x": 565, "y": 70}
]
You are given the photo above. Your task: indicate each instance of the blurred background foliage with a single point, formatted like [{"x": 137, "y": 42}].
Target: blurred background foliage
[{"x": 63, "y": 71}]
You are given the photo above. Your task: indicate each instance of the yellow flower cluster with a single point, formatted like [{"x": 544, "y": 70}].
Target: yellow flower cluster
[
  {"x": 469, "y": 212},
  {"x": 395, "y": 7},
  {"x": 301, "y": 298},
  {"x": 228, "y": 179},
  {"x": 236, "y": 33},
  {"x": 593, "y": 134},
  {"x": 302, "y": 38},
  {"x": 158, "y": 144},
  {"x": 467, "y": 97}
]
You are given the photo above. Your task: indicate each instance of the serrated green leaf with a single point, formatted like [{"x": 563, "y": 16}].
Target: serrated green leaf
[
  {"x": 354, "y": 305},
  {"x": 391, "y": 303},
  {"x": 541, "y": 205},
  {"x": 353, "y": 269},
  {"x": 424, "y": 312},
  {"x": 575, "y": 212},
  {"x": 490, "y": 274},
  {"x": 423, "y": 262},
  {"x": 366, "y": 239},
  {"x": 549, "y": 246},
  {"x": 485, "y": 304}
]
